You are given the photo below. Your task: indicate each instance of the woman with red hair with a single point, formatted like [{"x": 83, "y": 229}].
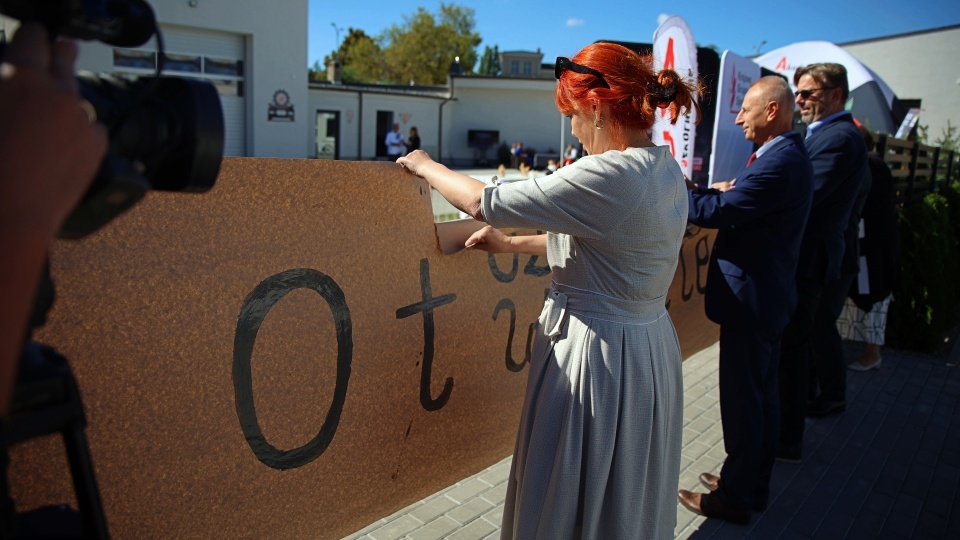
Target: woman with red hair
[{"x": 598, "y": 448}]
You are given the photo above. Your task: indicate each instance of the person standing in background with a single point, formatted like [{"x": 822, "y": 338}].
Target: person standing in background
[
  {"x": 864, "y": 317},
  {"x": 413, "y": 143},
  {"x": 394, "y": 142}
]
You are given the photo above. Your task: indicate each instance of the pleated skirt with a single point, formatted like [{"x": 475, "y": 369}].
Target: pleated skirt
[{"x": 598, "y": 447}]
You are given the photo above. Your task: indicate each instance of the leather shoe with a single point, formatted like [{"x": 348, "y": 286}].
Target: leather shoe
[
  {"x": 712, "y": 482},
  {"x": 824, "y": 407},
  {"x": 789, "y": 453},
  {"x": 709, "y": 505}
]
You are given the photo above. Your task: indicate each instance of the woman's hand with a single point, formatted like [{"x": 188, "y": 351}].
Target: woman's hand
[
  {"x": 415, "y": 161},
  {"x": 491, "y": 240}
]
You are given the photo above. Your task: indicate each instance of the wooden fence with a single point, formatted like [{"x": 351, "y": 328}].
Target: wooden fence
[{"x": 917, "y": 168}]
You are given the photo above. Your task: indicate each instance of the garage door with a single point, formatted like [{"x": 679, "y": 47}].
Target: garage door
[{"x": 217, "y": 57}]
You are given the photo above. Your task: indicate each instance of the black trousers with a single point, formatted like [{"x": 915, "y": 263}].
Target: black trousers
[
  {"x": 749, "y": 409},
  {"x": 795, "y": 351},
  {"x": 828, "y": 373}
]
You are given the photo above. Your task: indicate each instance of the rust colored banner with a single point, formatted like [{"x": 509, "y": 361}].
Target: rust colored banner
[{"x": 292, "y": 355}]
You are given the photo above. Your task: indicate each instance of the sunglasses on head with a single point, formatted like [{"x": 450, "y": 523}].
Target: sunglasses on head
[
  {"x": 805, "y": 94},
  {"x": 564, "y": 64}
]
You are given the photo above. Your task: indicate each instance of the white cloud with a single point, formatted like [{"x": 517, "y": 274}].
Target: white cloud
[
  {"x": 575, "y": 22},
  {"x": 662, "y": 17}
]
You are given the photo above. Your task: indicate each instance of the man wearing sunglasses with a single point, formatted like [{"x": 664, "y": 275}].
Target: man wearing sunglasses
[{"x": 840, "y": 174}]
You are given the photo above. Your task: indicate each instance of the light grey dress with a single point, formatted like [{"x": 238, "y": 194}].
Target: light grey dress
[{"x": 598, "y": 448}]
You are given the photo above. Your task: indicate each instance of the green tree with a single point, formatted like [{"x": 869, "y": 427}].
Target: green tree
[
  {"x": 422, "y": 50},
  {"x": 361, "y": 58},
  {"x": 317, "y": 72},
  {"x": 949, "y": 139},
  {"x": 490, "y": 62}
]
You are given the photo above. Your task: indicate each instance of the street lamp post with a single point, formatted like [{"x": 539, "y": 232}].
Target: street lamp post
[
  {"x": 334, "y": 77},
  {"x": 336, "y": 52}
]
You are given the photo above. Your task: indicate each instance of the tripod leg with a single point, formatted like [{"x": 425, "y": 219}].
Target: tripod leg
[
  {"x": 8, "y": 510},
  {"x": 85, "y": 483},
  {"x": 81, "y": 467}
]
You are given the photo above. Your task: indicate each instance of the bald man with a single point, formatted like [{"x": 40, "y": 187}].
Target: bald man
[{"x": 751, "y": 294}]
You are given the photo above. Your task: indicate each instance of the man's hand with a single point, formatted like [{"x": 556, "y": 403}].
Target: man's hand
[
  {"x": 723, "y": 186},
  {"x": 50, "y": 144}
]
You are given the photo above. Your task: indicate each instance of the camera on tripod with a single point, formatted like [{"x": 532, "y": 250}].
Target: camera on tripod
[{"x": 166, "y": 133}]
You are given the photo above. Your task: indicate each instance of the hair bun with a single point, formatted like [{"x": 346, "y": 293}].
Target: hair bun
[{"x": 662, "y": 95}]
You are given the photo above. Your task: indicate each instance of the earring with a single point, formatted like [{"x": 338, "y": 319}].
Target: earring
[{"x": 599, "y": 123}]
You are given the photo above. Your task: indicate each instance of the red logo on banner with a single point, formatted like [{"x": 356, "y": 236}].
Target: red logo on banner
[
  {"x": 668, "y": 61},
  {"x": 781, "y": 65},
  {"x": 668, "y": 138}
]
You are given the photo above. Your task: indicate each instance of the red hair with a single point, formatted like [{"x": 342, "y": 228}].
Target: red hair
[{"x": 635, "y": 92}]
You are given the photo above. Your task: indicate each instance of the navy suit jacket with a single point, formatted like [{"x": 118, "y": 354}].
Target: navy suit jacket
[
  {"x": 839, "y": 157},
  {"x": 751, "y": 279}
]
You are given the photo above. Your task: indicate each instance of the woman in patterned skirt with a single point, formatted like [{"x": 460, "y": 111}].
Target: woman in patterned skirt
[{"x": 598, "y": 448}]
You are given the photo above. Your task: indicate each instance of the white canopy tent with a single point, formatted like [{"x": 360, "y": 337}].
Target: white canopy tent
[{"x": 871, "y": 99}]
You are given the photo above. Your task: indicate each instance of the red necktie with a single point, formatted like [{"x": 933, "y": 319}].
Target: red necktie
[{"x": 753, "y": 157}]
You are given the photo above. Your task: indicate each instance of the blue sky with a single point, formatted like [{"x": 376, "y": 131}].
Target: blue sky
[{"x": 561, "y": 27}]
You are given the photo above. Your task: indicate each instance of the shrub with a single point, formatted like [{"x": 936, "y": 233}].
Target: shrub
[{"x": 926, "y": 308}]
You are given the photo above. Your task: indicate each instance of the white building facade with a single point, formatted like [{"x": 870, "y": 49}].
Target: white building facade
[
  {"x": 919, "y": 65},
  {"x": 255, "y": 54}
]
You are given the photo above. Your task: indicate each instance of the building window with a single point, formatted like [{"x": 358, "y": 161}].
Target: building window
[
  {"x": 135, "y": 59},
  {"x": 217, "y": 66},
  {"x": 183, "y": 62},
  {"x": 514, "y": 67},
  {"x": 226, "y": 75},
  {"x": 527, "y": 68}
]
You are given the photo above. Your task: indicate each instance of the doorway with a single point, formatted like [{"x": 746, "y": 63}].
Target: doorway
[
  {"x": 328, "y": 134},
  {"x": 384, "y": 126}
]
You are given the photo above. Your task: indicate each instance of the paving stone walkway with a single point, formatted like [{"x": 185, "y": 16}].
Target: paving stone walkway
[{"x": 888, "y": 467}]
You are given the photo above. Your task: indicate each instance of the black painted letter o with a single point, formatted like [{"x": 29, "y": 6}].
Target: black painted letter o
[{"x": 254, "y": 311}]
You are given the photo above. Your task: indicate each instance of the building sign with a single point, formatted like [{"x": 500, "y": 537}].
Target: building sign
[{"x": 280, "y": 109}]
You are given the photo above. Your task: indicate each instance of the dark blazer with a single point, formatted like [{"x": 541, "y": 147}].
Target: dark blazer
[
  {"x": 881, "y": 242},
  {"x": 751, "y": 277},
  {"x": 839, "y": 157}
]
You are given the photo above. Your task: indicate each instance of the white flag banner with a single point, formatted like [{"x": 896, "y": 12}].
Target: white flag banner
[
  {"x": 674, "y": 48},
  {"x": 730, "y": 149}
]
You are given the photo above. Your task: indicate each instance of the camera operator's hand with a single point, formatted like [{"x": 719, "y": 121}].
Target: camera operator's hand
[
  {"x": 50, "y": 149},
  {"x": 50, "y": 146}
]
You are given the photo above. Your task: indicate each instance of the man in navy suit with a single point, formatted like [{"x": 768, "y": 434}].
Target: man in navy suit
[
  {"x": 839, "y": 157},
  {"x": 751, "y": 293}
]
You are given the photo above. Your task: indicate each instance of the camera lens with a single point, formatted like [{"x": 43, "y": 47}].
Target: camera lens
[
  {"x": 169, "y": 129},
  {"x": 166, "y": 133}
]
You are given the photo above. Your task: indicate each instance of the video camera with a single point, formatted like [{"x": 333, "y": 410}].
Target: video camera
[{"x": 166, "y": 133}]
